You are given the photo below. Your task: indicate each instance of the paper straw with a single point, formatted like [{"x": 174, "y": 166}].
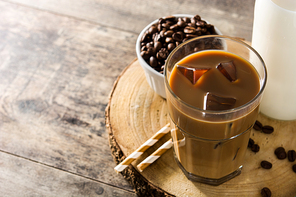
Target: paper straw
[
  {"x": 150, "y": 142},
  {"x": 154, "y": 156}
]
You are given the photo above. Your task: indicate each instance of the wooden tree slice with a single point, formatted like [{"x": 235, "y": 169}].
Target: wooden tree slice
[{"x": 134, "y": 113}]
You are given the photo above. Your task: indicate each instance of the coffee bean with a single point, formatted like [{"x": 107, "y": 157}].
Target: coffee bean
[
  {"x": 181, "y": 24},
  {"x": 200, "y": 23},
  {"x": 157, "y": 38},
  {"x": 157, "y": 45},
  {"x": 146, "y": 37},
  {"x": 251, "y": 143},
  {"x": 204, "y": 30},
  {"x": 279, "y": 149},
  {"x": 189, "y": 30},
  {"x": 280, "y": 153},
  {"x": 162, "y": 54},
  {"x": 178, "y": 36},
  {"x": 294, "y": 168},
  {"x": 169, "y": 39},
  {"x": 149, "y": 45},
  {"x": 169, "y": 18},
  {"x": 257, "y": 126},
  {"x": 291, "y": 155},
  {"x": 266, "y": 164},
  {"x": 265, "y": 192},
  {"x": 267, "y": 129},
  {"x": 168, "y": 33},
  {"x": 144, "y": 48},
  {"x": 191, "y": 25},
  {"x": 210, "y": 28},
  {"x": 161, "y": 33},
  {"x": 197, "y": 17},
  {"x": 255, "y": 148},
  {"x": 145, "y": 55},
  {"x": 174, "y": 27},
  {"x": 151, "y": 51},
  {"x": 152, "y": 29},
  {"x": 171, "y": 46},
  {"x": 165, "y": 25},
  {"x": 161, "y": 20},
  {"x": 153, "y": 61},
  {"x": 193, "y": 21},
  {"x": 170, "y": 22},
  {"x": 186, "y": 19}
]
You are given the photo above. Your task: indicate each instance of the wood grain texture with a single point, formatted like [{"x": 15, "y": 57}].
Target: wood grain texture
[
  {"x": 56, "y": 73},
  {"x": 232, "y": 17},
  {"x": 35, "y": 179},
  {"x": 136, "y": 112}
]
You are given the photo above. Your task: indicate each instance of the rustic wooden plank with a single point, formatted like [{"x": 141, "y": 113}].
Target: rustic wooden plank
[
  {"x": 55, "y": 76},
  {"x": 34, "y": 179},
  {"x": 232, "y": 17}
]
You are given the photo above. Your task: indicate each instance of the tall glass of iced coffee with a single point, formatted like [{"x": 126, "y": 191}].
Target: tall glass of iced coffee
[{"x": 214, "y": 86}]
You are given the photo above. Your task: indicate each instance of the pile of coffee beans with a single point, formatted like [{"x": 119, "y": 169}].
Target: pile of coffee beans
[{"x": 161, "y": 38}]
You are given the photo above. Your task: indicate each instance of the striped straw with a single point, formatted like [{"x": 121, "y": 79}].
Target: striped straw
[
  {"x": 154, "y": 156},
  {"x": 150, "y": 142}
]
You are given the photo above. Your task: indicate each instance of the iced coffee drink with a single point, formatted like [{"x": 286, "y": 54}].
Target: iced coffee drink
[{"x": 213, "y": 95}]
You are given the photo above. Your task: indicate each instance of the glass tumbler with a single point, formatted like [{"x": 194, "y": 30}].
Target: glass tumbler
[{"x": 210, "y": 146}]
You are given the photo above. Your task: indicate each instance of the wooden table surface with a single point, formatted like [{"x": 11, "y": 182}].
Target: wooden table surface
[{"x": 58, "y": 62}]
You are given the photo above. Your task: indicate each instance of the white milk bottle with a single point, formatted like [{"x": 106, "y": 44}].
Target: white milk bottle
[{"x": 274, "y": 37}]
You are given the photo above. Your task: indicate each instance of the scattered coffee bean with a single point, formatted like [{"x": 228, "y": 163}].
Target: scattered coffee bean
[
  {"x": 257, "y": 126},
  {"x": 161, "y": 38},
  {"x": 255, "y": 148},
  {"x": 291, "y": 155},
  {"x": 279, "y": 149},
  {"x": 265, "y": 192},
  {"x": 294, "y": 168},
  {"x": 266, "y": 164},
  {"x": 267, "y": 129},
  {"x": 251, "y": 143},
  {"x": 280, "y": 153}
]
